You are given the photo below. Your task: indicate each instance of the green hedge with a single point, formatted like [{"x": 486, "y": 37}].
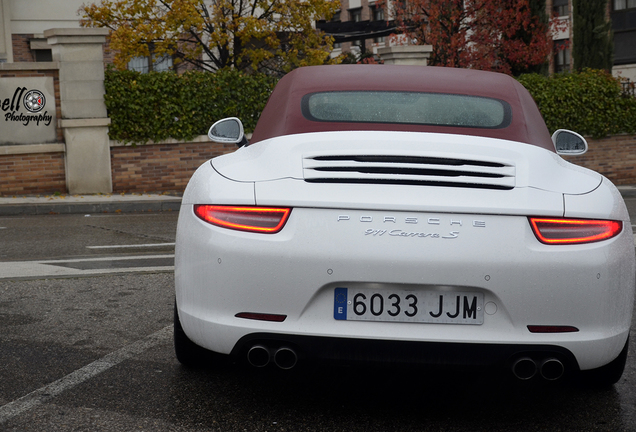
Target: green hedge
[
  {"x": 161, "y": 105},
  {"x": 588, "y": 102}
]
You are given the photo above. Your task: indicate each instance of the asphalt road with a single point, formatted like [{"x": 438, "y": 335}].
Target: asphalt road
[{"x": 86, "y": 345}]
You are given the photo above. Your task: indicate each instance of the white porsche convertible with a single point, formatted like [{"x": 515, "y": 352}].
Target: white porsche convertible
[{"x": 404, "y": 214}]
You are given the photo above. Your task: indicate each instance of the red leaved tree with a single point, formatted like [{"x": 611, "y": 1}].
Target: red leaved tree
[{"x": 497, "y": 35}]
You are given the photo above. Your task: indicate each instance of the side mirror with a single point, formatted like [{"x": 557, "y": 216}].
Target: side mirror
[
  {"x": 229, "y": 130},
  {"x": 569, "y": 143}
]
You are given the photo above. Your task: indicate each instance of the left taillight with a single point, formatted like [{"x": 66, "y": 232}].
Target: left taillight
[
  {"x": 268, "y": 220},
  {"x": 559, "y": 231}
]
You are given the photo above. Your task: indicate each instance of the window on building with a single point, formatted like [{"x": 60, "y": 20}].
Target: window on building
[
  {"x": 41, "y": 49},
  {"x": 336, "y": 17},
  {"x": 624, "y": 4},
  {"x": 562, "y": 60},
  {"x": 43, "y": 55},
  {"x": 355, "y": 15},
  {"x": 145, "y": 64},
  {"x": 378, "y": 13},
  {"x": 561, "y": 7}
]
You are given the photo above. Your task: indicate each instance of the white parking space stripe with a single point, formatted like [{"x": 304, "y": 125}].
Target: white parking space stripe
[
  {"x": 148, "y": 245},
  {"x": 54, "y": 268},
  {"x": 43, "y": 394}
]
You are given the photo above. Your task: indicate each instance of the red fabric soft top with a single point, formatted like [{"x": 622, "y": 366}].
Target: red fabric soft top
[{"x": 282, "y": 114}]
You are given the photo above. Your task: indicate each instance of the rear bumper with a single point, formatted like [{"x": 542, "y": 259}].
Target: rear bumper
[{"x": 220, "y": 273}]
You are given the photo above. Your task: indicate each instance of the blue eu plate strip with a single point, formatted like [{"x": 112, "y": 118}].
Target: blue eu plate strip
[{"x": 340, "y": 304}]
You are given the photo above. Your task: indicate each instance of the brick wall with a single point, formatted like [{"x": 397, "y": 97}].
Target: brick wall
[
  {"x": 168, "y": 167},
  {"x": 32, "y": 174},
  {"x": 160, "y": 167},
  {"x": 614, "y": 157},
  {"x": 22, "y": 48}
]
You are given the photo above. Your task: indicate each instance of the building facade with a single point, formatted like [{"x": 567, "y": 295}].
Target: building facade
[
  {"x": 360, "y": 27},
  {"x": 363, "y": 26},
  {"x": 623, "y": 15},
  {"x": 22, "y": 26}
]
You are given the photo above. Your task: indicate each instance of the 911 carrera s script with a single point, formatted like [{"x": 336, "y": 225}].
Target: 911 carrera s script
[{"x": 401, "y": 233}]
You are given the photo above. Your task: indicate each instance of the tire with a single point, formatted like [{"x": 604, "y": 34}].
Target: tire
[
  {"x": 609, "y": 374},
  {"x": 188, "y": 353}
]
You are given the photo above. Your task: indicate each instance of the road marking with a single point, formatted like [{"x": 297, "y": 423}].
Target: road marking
[
  {"x": 61, "y": 268},
  {"x": 131, "y": 246},
  {"x": 44, "y": 394}
]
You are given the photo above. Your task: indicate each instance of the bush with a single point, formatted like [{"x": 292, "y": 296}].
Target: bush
[
  {"x": 588, "y": 102},
  {"x": 161, "y": 105}
]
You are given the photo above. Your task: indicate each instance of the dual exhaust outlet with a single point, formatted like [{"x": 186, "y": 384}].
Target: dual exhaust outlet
[
  {"x": 526, "y": 368},
  {"x": 283, "y": 357}
]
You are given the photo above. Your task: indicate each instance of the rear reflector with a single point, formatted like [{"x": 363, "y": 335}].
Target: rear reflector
[
  {"x": 574, "y": 231},
  {"x": 551, "y": 329},
  {"x": 261, "y": 316},
  {"x": 267, "y": 220}
]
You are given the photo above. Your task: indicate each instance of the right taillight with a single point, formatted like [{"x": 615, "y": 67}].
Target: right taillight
[{"x": 560, "y": 231}]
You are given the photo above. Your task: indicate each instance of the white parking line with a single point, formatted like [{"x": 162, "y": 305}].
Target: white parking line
[
  {"x": 43, "y": 394},
  {"x": 52, "y": 268},
  {"x": 130, "y": 246}
]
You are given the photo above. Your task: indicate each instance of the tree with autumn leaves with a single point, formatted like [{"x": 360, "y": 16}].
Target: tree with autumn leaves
[
  {"x": 507, "y": 36},
  {"x": 272, "y": 36}
]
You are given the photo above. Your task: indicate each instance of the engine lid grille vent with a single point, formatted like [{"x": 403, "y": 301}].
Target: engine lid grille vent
[{"x": 409, "y": 170}]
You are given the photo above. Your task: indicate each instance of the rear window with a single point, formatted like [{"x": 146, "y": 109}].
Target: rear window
[{"x": 407, "y": 108}]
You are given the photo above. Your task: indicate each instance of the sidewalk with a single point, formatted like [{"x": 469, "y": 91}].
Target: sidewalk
[
  {"x": 117, "y": 203},
  {"x": 101, "y": 203}
]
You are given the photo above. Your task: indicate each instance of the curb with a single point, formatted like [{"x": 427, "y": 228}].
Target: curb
[
  {"x": 627, "y": 191},
  {"x": 45, "y": 208}
]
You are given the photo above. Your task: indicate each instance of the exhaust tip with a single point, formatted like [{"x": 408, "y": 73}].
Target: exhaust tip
[
  {"x": 258, "y": 356},
  {"x": 552, "y": 369},
  {"x": 524, "y": 368},
  {"x": 285, "y": 358}
]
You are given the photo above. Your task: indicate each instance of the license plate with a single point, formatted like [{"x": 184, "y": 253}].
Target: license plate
[{"x": 409, "y": 306}]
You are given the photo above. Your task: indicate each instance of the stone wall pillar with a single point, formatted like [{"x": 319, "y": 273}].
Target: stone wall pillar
[
  {"x": 6, "y": 46},
  {"x": 406, "y": 55},
  {"x": 84, "y": 119}
]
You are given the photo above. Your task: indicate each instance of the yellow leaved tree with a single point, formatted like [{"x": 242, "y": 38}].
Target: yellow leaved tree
[{"x": 271, "y": 36}]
